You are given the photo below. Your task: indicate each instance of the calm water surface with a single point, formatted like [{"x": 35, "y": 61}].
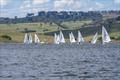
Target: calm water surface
[{"x": 60, "y": 62}]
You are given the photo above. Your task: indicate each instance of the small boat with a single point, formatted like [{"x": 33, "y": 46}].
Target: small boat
[
  {"x": 30, "y": 38},
  {"x": 37, "y": 40},
  {"x": 56, "y": 39},
  {"x": 61, "y": 37},
  {"x": 94, "y": 40},
  {"x": 72, "y": 38},
  {"x": 105, "y": 36},
  {"x": 80, "y": 38},
  {"x": 27, "y": 38}
]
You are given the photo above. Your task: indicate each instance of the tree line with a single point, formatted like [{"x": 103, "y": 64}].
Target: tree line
[
  {"x": 54, "y": 16},
  {"x": 57, "y": 17}
]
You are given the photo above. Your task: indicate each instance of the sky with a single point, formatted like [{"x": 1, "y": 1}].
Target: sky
[{"x": 11, "y": 8}]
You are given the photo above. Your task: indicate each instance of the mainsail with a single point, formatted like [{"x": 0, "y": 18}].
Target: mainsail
[
  {"x": 72, "y": 38},
  {"x": 61, "y": 37},
  {"x": 80, "y": 38},
  {"x": 105, "y": 36},
  {"x": 30, "y": 38},
  {"x": 26, "y": 38},
  {"x": 94, "y": 40},
  {"x": 37, "y": 40},
  {"x": 56, "y": 38}
]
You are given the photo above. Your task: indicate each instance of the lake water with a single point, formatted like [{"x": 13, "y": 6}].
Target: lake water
[{"x": 60, "y": 62}]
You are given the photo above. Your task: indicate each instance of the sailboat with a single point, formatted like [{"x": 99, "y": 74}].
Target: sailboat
[
  {"x": 27, "y": 38},
  {"x": 61, "y": 37},
  {"x": 72, "y": 38},
  {"x": 56, "y": 39},
  {"x": 30, "y": 38},
  {"x": 80, "y": 38},
  {"x": 94, "y": 40},
  {"x": 37, "y": 40},
  {"x": 105, "y": 36}
]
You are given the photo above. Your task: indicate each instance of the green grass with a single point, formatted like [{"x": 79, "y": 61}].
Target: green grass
[
  {"x": 76, "y": 24},
  {"x": 30, "y": 26},
  {"x": 13, "y": 30}
]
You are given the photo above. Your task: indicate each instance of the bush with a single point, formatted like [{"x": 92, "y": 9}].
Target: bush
[
  {"x": 112, "y": 37},
  {"x": 6, "y": 37},
  {"x": 100, "y": 38},
  {"x": 117, "y": 38}
]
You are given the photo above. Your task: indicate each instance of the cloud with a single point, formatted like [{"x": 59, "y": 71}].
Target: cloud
[
  {"x": 25, "y": 5},
  {"x": 99, "y": 5},
  {"x": 3, "y": 2},
  {"x": 28, "y": 7},
  {"x": 62, "y": 4},
  {"x": 117, "y": 1},
  {"x": 77, "y": 5},
  {"x": 40, "y": 1}
]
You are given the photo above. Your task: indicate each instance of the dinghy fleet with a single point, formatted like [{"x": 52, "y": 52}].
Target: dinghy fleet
[
  {"x": 59, "y": 38},
  {"x": 28, "y": 39}
]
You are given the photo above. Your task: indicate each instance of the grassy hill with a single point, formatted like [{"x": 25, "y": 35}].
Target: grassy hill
[{"x": 46, "y": 30}]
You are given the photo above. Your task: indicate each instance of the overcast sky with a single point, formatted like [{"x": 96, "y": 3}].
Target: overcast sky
[{"x": 11, "y": 8}]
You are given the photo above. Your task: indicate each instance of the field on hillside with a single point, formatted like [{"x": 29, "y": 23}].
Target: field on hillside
[
  {"x": 15, "y": 30},
  {"x": 76, "y": 24},
  {"x": 46, "y": 30}
]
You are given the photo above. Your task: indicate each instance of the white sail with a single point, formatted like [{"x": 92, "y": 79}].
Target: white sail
[
  {"x": 37, "y": 40},
  {"x": 26, "y": 38},
  {"x": 94, "y": 40},
  {"x": 105, "y": 36},
  {"x": 61, "y": 37},
  {"x": 56, "y": 38},
  {"x": 30, "y": 38},
  {"x": 80, "y": 38},
  {"x": 72, "y": 38}
]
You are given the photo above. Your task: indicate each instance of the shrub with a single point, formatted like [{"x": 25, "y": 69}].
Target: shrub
[
  {"x": 112, "y": 37},
  {"x": 6, "y": 37},
  {"x": 100, "y": 38},
  {"x": 117, "y": 38}
]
